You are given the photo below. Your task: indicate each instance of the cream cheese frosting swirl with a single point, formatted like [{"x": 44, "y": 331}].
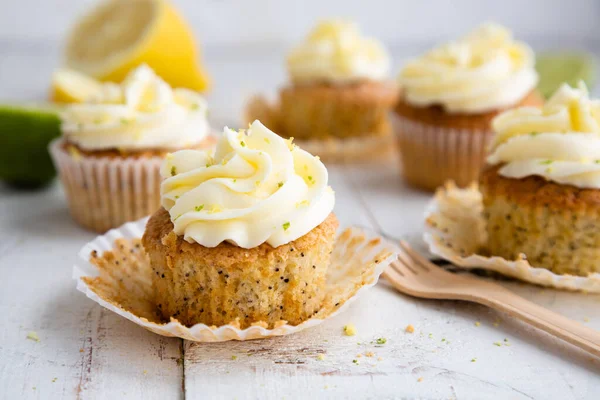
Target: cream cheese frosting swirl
[
  {"x": 560, "y": 142},
  {"x": 256, "y": 188},
  {"x": 336, "y": 52},
  {"x": 142, "y": 112},
  {"x": 486, "y": 70}
]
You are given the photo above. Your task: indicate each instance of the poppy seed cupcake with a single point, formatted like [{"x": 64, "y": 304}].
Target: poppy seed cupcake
[
  {"x": 338, "y": 93},
  {"x": 244, "y": 234},
  {"x": 541, "y": 191},
  {"x": 450, "y": 95},
  {"x": 112, "y": 147}
]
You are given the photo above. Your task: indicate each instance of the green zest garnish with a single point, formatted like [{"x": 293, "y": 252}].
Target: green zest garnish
[
  {"x": 125, "y": 121},
  {"x": 534, "y": 133},
  {"x": 195, "y": 106},
  {"x": 243, "y": 143},
  {"x": 355, "y": 362},
  {"x": 597, "y": 161},
  {"x": 546, "y": 162},
  {"x": 199, "y": 208},
  {"x": 381, "y": 341},
  {"x": 267, "y": 141},
  {"x": 173, "y": 171},
  {"x": 286, "y": 226},
  {"x": 280, "y": 184}
]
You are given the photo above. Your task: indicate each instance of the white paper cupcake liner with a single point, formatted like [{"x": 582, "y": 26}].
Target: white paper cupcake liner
[
  {"x": 456, "y": 232},
  {"x": 124, "y": 285},
  {"x": 431, "y": 155},
  {"x": 332, "y": 150},
  {"x": 106, "y": 192}
]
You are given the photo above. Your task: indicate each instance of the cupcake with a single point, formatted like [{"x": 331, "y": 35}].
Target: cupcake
[
  {"x": 541, "y": 190},
  {"x": 244, "y": 234},
  {"x": 112, "y": 146},
  {"x": 338, "y": 91},
  {"x": 448, "y": 98}
]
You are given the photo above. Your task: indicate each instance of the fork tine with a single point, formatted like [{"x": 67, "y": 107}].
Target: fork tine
[
  {"x": 418, "y": 259},
  {"x": 394, "y": 276},
  {"x": 405, "y": 260},
  {"x": 396, "y": 267}
]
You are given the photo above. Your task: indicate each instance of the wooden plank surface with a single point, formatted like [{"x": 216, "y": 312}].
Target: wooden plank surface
[{"x": 86, "y": 352}]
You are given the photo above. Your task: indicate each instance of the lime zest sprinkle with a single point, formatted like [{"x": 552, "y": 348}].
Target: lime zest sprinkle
[
  {"x": 243, "y": 143},
  {"x": 381, "y": 340},
  {"x": 173, "y": 170},
  {"x": 267, "y": 141},
  {"x": 125, "y": 121},
  {"x": 286, "y": 226},
  {"x": 546, "y": 162},
  {"x": 280, "y": 184},
  {"x": 234, "y": 357},
  {"x": 195, "y": 106},
  {"x": 534, "y": 133},
  {"x": 199, "y": 208}
]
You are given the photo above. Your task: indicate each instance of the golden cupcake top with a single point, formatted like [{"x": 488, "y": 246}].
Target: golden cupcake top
[
  {"x": 560, "y": 141},
  {"x": 484, "y": 71},
  {"x": 143, "y": 112},
  {"x": 254, "y": 188},
  {"x": 335, "y": 51}
]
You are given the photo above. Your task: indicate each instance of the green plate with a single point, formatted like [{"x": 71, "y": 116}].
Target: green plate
[
  {"x": 25, "y": 133},
  {"x": 556, "y": 68}
]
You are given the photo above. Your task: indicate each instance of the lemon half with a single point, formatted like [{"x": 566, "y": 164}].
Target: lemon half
[{"x": 119, "y": 35}]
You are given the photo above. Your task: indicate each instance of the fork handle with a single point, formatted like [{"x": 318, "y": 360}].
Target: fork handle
[{"x": 570, "y": 331}]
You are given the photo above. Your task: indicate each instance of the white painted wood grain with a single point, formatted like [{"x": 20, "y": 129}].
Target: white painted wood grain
[
  {"x": 84, "y": 351},
  {"x": 38, "y": 242}
]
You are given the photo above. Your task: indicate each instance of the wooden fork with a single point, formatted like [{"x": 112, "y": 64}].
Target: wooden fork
[{"x": 412, "y": 274}]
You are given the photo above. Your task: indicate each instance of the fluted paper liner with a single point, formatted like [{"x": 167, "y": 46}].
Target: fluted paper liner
[
  {"x": 431, "y": 155},
  {"x": 329, "y": 150},
  {"x": 456, "y": 232},
  {"x": 114, "y": 271},
  {"x": 106, "y": 192}
]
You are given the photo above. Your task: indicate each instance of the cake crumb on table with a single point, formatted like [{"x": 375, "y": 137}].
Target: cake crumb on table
[
  {"x": 420, "y": 379},
  {"x": 409, "y": 328},
  {"x": 350, "y": 330}
]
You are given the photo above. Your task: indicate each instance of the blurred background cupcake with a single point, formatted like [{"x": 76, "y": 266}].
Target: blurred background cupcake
[
  {"x": 338, "y": 91},
  {"x": 449, "y": 97},
  {"x": 112, "y": 146},
  {"x": 541, "y": 191}
]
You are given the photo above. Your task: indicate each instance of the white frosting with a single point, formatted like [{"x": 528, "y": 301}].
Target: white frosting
[
  {"x": 336, "y": 52},
  {"x": 560, "y": 142},
  {"x": 143, "y": 112},
  {"x": 486, "y": 70},
  {"x": 256, "y": 188}
]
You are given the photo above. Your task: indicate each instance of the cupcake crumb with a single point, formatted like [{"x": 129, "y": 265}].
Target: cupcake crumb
[
  {"x": 350, "y": 330},
  {"x": 420, "y": 379},
  {"x": 409, "y": 328}
]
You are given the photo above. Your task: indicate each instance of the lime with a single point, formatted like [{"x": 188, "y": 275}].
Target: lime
[
  {"x": 24, "y": 137},
  {"x": 556, "y": 68}
]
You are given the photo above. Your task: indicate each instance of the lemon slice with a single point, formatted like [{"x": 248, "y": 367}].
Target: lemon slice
[
  {"x": 119, "y": 35},
  {"x": 557, "y": 68},
  {"x": 70, "y": 86}
]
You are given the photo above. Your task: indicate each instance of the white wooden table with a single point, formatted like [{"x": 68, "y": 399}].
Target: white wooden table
[{"x": 87, "y": 352}]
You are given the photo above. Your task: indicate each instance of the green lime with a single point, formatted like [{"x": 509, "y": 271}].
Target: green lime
[
  {"x": 25, "y": 133},
  {"x": 556, "y": 68}
]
